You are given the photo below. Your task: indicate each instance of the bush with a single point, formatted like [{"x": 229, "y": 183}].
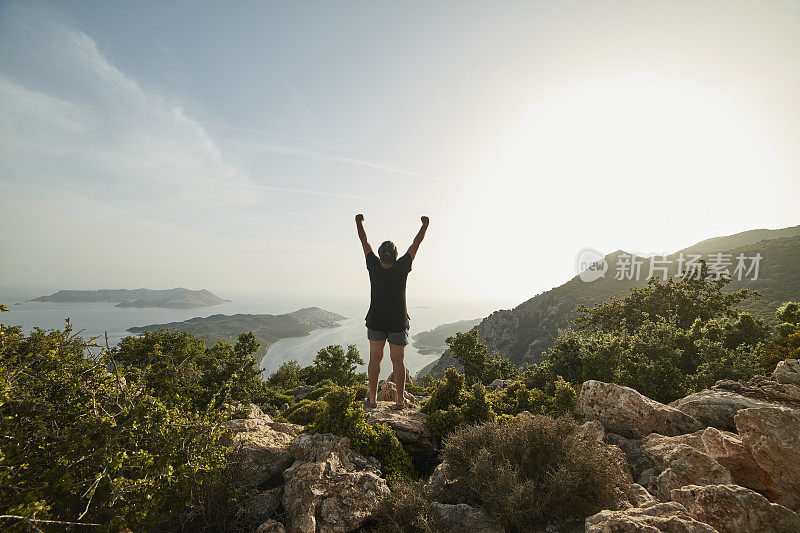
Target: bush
[
  {"x": 479, "y": 365},
  {"x": 531, "y": 471},
  {"x": 338, "y": 366},
  {"x": 286, "y": 377},
  {"x": 407, "y": 510},
  {"x": 343, "y": 415},
  {"x": 83, "y": 444},
  {"x": 304, "y": 412}
]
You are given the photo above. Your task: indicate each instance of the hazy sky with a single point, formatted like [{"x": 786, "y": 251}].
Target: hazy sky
[{"x": 228, "y": 145}]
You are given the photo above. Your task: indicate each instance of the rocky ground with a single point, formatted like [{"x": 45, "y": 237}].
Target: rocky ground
[{"x": 726, "y": 460}]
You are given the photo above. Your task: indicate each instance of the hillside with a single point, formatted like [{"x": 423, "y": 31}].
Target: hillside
[
  {"x": 432, "y": 342},
  {"x": 523, "y": 334},
  {"x": 267, "y": 328},
  {"x": 178, "y": 297}
]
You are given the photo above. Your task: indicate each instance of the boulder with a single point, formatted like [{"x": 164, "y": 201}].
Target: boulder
[
  {"x": 409, "y": 424},
  {"x": 301, "y": 391},
  {"x": 260, "y": 450},
  {"x": 330, "y": 488},
  {"x": 626, "y": 412},
  {"x": 408, "y": 377},
  {"x": 461, "y": 518},
  {"x": 271, "y": 526},
  {"x": 387, "y": 392},
  {"x": 592, "y": 430},
  {"x": 788, "y": 372},
  {"x": 727, "y": 449},
  {"x": 639, "y": 495},
  {"x": 765, "y": 389},
  {"x": 772, "y": 435},
  {"x": 735, "y": 509},
  {"x": 716, "y": 408},
  {"x": 659, "y": 447},
  {"x": 638, "y": 461},
  {"x": 688, "y": 466},
  {"x": 652, "y": 517},
  {"x": 498, "y": 385}
]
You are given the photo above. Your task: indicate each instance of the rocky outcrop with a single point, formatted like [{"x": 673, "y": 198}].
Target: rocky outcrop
[
  {"x": 461, "y": 518},
  {"x": 659, "y": 447},
  {"x": 788, "y": 372},
  {"x": 271, "y": 526},
  {"x": 765, "y": 389},
  {"x": 772, "y": 436},
  {"x": 387, "y": 392},
  {"x": 260, "y": 507},
  {"x": 626, "y": 412},
  {"x": 735, "y": 509},
  {"x": 716, "y": 408},
  {"x": 652, "y": 517},
  {"x": 686, "y": 465},
  {"x": 728, "y": 450},
  {"x": 329, "y": 488},
  {"x": 592, "y": 430},
  {"x": 638, "y": 461},
  {"x": 410, "y": 426},
  {"x": 260, "y": 450}
]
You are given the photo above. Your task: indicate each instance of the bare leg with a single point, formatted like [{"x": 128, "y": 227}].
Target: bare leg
[
  {"x": 397, "y": 354},
  {"x": 374, "y": 368}
]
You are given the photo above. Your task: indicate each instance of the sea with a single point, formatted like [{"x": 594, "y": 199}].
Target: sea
[{"x": 99, "y": 319}]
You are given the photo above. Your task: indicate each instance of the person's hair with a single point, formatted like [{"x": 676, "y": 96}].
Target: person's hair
[{"x": 387, "y": 252}]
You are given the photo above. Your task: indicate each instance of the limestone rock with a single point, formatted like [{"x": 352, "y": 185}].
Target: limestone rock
[
  {"x": 659, "y": 447},
  {"x": 639, "y": 495},
  {"x": 788, "y": 372},
  {"x": 765, "y": 389},
  {"x": 387, "y": 392},
  {"x": 735, "y": 509},
  {"x": 408, "y": 423},
  {"x": 638, "y": 461},
  {"x": 772, "y": 435},
  {"x": 498, "y": 385},
  {"x": 688, "y": 466},
  {"x": 716, "y": 408},
  {"x": 260, "y": 450},
  {"x": 330, "y": 488},
  {"x": 461, "y": 518},
  {"x": 624, "y": 411},
  {"x": 727, "y": 449},
  {"x": 652, "y": 517},
  {"x": 592, "y": 430},
  {"x": 271, "y": 526}
]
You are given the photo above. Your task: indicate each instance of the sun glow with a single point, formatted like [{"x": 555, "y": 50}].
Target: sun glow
[{"x": 626, "y": 163}]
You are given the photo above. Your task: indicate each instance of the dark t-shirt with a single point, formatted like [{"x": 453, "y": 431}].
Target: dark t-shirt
[{"x": 387, "y": 304}]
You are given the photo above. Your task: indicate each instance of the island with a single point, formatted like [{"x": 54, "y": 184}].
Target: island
[
  {"x": 266, "y": 328},
  {"x": 433, "y": 342},
  {"x": 178, "y": 297}
]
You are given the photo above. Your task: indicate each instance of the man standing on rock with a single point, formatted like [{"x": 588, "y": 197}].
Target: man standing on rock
[{"x": 387, "y": 318}]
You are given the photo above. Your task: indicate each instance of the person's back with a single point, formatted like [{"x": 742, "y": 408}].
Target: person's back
[{"x": 387, "y": 318}]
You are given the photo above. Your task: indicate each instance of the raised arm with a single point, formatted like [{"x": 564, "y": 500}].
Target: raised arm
[
  {"x": 412, "y": 250},
  {"x": 362, "y": 235}
]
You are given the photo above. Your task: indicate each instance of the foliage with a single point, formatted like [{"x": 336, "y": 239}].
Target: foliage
[
  {"x": 408, "y": 510},
  {"x": 531, "y": 470},
  {"x": 286, "y": 377},
  {"x": 479, "y": 365},
  {"x": 335, "y": 364},
  {"x": 176, "y": 367},
  {"x": 785, "y": 344},
  {"x": 304, "y": 412},
  {"x": 91, "y": 445},
  {"x": 343, "y": 415},
  {"x": 666, "y": 340}
]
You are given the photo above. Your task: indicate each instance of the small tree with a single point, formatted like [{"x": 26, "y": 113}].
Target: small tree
[
  {"x": 479, "y": 365},
  {"x": 339, "y": 366}
]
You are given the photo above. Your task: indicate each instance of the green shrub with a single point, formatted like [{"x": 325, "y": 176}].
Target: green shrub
[
  {"x": 83, "y": 444},
  {"x": 286, "y": 377},
  {"x": 479, "y": 365},
  {"x": 531, "y": 471},
  {"x": 447, "y": 393},
  {"x": 450, "y": 406},
  {"x": 343, "y": 415},
  {"x": 407, "y": 510},
  {"x": 304, "y": 412}
]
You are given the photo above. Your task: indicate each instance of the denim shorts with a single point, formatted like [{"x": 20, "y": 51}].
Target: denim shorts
[{"x": 398, "y": 338}]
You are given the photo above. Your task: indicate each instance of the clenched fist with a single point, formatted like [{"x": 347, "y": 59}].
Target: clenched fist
[
  {"x": 425, "y": 220},
  {"x": 359, "y": 218}
]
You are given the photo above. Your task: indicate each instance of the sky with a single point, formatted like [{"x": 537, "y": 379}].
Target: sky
[{"x": 228, "y": 146}]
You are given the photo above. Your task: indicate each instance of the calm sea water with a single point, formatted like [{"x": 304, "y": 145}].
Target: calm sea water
[{"x": 95, "y": 319}]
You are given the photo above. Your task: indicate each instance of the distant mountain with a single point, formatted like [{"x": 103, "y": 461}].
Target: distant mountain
[
  {"x": 267, "y": 328},
  {"x": 432, "y": 342},
  {"x": 523, "y": 334},
  {"x": 178, "y": 297}
]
